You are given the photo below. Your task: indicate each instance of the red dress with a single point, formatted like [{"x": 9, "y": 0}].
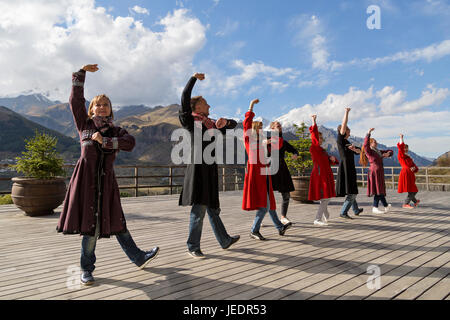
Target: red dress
[
  {"x": 321, "y": 183},
  {"x": 255, "y": 183},
  {"x": 407, "y": 179}
]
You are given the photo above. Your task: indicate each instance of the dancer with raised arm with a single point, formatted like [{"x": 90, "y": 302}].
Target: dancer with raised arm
[
  {"x": 321, "y": 183},
  {"x": 407, "y": 178},
  {"x": 92, "y": 205},
  {"x": 258, "y": 192},
  {"x": 282, "y": 180},
  {"x": 346, "y": 181},
  {"x": 201, "y": 182},
  {"x": 376, "y": 186}
]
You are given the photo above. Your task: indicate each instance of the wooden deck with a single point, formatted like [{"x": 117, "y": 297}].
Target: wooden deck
[{"x": 411, "y": 248}]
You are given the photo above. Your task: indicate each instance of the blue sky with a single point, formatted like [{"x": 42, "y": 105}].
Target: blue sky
[{"x": 297, "y": 57}]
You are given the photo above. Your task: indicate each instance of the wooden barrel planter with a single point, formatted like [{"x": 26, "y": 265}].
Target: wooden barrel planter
[
  {"x": 301, "y": 184},
  {"x": 38, "y": 197}
]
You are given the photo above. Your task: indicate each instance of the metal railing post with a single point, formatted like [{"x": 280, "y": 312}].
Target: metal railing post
[
  {"x": 393, "y": 178},
  {"x": 170, "y": 180},
  {"x": 136, "y": 182}
]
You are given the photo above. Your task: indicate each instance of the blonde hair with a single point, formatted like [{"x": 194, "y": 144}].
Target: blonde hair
[
  {"x": 256, "y": 126},
  {"x": 95, "y": 100},
  {"x": 362, "y": 157}
]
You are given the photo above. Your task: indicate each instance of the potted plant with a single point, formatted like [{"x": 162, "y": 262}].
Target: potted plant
[
  {"x": 300, "y": 167},
  {"x": 42, "y": 188}
]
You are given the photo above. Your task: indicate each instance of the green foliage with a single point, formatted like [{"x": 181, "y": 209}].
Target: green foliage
[
  {"x": 302, "y": 144},
  {"x": 40, "y": 160},
  {"x": 125, "y": 195},
  {"x": 6, "y": 199}
]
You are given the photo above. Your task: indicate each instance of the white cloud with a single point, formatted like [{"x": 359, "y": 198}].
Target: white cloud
[
  {"x": 388, "y": 111},
  {"x": 276, "y": 78},
  {"x": 229, "y": 28},
  {"x": 311, "y": 32},
  {"x": 430, "y": 53},
  {"x": 44, "y": 41},
  {"x": 140, "y": 10}
]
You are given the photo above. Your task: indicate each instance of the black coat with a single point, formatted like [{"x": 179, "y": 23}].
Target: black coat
[
  {"x": 201, "y": 181},
  {"x": 346, "y": 182},
  {"x": 282, "y": 180}
]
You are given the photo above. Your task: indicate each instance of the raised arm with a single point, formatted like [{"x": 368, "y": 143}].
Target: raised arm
[
  {"x": 345, "y": 121},
  {"x": 249, "y": 116},
  {"x": 314, "y": 132},
  {"x": 77, "y": 101},
  {"x": 185, "y": 115},
  {"x": 367, "y": 149},
  {"x": 401, "y": 148}
]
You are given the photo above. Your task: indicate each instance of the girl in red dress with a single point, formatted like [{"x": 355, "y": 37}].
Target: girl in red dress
[
  {"x": 407, "y": 179},
  {"x": 258, "y": 192},
  {"x": 321, "y": 184}
]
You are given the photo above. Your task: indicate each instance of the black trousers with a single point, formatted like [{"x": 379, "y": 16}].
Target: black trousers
[
  {"x": 284, "y": 207},
  {"x": 411, "y": 197}
]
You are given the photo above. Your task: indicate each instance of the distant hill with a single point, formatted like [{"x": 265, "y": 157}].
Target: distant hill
[
  {"x": 152, "y": 128},
  {"x": 34, "y": 104},
  {"x": 443, "y": 160},
  {"x": 15, "y": 128}
]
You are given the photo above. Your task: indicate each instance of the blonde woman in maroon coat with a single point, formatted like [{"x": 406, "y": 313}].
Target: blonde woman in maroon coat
[
  {"x": 376, "y": 186},
  {"x": 92, "y": 205}
]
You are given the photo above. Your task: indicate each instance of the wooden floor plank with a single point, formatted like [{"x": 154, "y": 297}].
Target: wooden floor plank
[{"x": 309, "y": 262}]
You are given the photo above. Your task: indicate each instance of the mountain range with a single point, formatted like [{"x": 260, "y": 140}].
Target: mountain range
[{"x": 152, "y": 128}]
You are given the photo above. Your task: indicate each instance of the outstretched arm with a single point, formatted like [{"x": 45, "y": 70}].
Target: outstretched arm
[
  {"x": 249, "y": 115},
  {"x": 314, "y": 131},
  {"x": 345, "y": 121},
  {"x": 185, "y": 116},
  {"x": 77, "y": 101}
]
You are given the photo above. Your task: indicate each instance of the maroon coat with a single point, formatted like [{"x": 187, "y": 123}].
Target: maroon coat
[
  {"x": 78, "y": 214},
  {"x": 375, "y": 177}
]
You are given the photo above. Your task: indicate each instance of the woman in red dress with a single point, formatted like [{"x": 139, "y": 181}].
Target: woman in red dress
[
  {"x": 258, "y": 192},
  {"x": 321, "y": 183},
  {"x": 407, "y": 179}
]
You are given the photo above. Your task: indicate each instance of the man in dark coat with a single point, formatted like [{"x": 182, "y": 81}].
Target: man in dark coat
[
  {"x": 346, "y": 182},
  {"x": 282, "y": 180},
  {"x": 201, "y": 183}
]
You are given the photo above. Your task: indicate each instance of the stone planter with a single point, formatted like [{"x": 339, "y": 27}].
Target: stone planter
[
  {"x": 301, "y": 185},
  {"x": 38, "y": 197}
]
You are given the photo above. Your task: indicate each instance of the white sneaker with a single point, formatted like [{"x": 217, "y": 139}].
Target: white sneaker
[
  {"x": 325, "y": 221},
  {"x": 388, "y": 208},
  {"x": 376, "y": 210},
  {"x": 284, "y": 220},
  {"x": 318, "y": 223}
]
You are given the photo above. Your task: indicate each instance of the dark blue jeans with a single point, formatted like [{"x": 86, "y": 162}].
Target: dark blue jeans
[
  {"x": 378, "y": 198},
  {"x": 89, "y": 243},
  {"x": 196, "y": 225},
  {"x": 260, "y": 214},
  {"x": 350, "y": 202}
]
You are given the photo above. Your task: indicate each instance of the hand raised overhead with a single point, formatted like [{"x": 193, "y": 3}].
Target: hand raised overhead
[
  {"x": 199, "y": 76},
  {"x": 90, "y": 67}
]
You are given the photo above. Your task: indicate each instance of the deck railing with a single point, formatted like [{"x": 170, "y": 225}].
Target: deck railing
[{"x": 168, "y": 179}]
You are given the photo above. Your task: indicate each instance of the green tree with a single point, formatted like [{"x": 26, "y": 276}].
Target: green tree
[
  {"x": 40, "y": 159},
  {"x": 302, "y": 144}
]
